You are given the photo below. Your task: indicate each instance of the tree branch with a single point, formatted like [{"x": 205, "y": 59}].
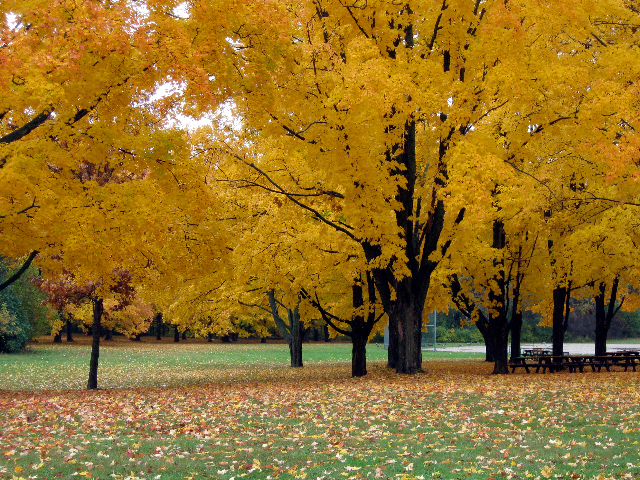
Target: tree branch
[
  {"x": 20, "y": 271},
  {"x": 326, "y": 316},
  {"x": 27, "y": 128},
  {"x": 291, "y": 196}
]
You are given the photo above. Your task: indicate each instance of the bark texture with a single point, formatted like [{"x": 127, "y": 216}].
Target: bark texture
[{"x": 98, "y": 309}]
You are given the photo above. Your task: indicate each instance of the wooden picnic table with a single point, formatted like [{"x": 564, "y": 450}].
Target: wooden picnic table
[
  {"x": 575, "y": 363},
  {"x": 623, "y": 352},
  {"x": 536, "y": 351},
  {"x": 539, "y": 362}
]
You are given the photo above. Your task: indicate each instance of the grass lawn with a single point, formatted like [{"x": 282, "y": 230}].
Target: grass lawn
[{"x": 235, "y": 411}]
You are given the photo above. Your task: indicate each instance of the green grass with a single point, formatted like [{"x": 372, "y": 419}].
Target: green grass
[
  {"x": 48, "y": 366},
  {"x": 235, "y": 411},
  {"x": 623, "y": 340}
]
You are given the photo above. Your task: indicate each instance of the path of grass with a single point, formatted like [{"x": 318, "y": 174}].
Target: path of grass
[{"x": 267, "y": 422}]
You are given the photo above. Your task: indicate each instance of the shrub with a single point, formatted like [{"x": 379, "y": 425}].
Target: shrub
[
  {"x": 458, "y": 335},
  {"x": 14, "y": 334}
]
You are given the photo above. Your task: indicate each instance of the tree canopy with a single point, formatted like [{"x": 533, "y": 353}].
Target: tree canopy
[{"x": 418, "y": 151}]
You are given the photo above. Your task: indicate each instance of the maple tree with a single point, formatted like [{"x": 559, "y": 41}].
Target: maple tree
[
  {"x": 292, "y": 329},
  {"x": 359, "y": 325},
  {"x": 366, "y": 131},
  {"x": 80, "y": 109},
  {"x": 88, "y": 164},
  {"x": 364, "y": 115},
  {"x": 561, "y": 193},
  {"x": 488, "y": 275}
]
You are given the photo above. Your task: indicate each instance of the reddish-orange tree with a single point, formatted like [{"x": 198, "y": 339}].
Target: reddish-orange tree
[{"x": 64, "y": 291}]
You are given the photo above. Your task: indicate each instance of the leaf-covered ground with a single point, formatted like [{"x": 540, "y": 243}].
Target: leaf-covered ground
[
  {"x": 48, "y": 366},
  {"x": 455, "y": 421}
]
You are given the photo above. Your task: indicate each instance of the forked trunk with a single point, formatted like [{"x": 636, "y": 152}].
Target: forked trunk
[
  {"x": 92, "y": 384},
  {"x": 292, "y": 330}
]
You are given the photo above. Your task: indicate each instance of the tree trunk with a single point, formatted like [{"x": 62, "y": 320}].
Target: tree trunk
[
  {"x": 404, "y": 300},
  {"x": 92, "y": 384},
  {"x": 500, "y": 333},
  {"x": 559, "y": 300},
  {"x": 176, "y": 335},
  {"x": 263, "y": 339},
  {"x": 325, "y": 330},
  {"x": 158, "y": 326},
  {"x": 184, "y": 335},
  {"x": 57, "y": 338},
  {"x": 210, "y": 337},
  {"x": 292, "y": 330},
  {"x": 295, "y": 352},
  {"x": 601, "y": 330},
  {"x": 605, "y": 314},
  {"x": 407, "y": 313},
  {"x": 360, "y": 332},
  {"x": 296, "y": 331},
  {"x": 498, "y": 321},
  {"x": 489, "y": 344},
  {"x": 359, "y": 355},
  {"x": 516, "y": 333},
  {"x": 108, "y": 334},
  {"x": 69, "y": 333},
  {"x": 392, "y": 351}
]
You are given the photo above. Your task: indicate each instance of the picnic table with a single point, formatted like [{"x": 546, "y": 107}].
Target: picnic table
[
  {"x": 576, "y": 363},
  {"x": 536, "y": 351},
  {"x": 624, "y": 352},
  {"x": 552, "y": 363}
]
